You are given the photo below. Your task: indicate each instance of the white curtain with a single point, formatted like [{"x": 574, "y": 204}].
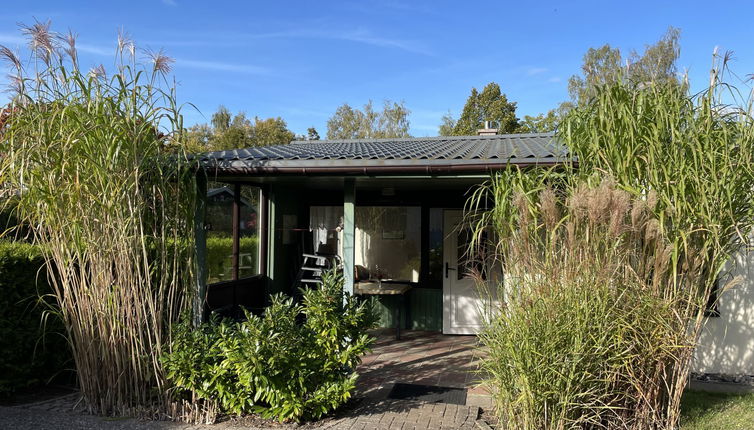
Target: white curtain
[{"x": 326, "y": 225}]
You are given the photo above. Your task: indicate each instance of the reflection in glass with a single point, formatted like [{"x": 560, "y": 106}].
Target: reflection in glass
[
  {"x": 435, "y": 272},
  {"x": 219, "y": 223},
  {"x": 248, "y": 254}
]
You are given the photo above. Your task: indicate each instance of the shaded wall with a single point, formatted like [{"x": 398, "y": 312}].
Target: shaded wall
[
  {"x": 289, "y": 212},
  {"x": 727, "y": 342}
]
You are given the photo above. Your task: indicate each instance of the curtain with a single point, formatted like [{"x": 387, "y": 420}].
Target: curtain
[{"x": 326, "y": 225}]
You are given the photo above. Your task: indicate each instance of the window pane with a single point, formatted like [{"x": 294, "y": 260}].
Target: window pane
[
  {"x": 435, "y": 272},
  {"x": 219, "y": 231},
  {"x": 219, "y": 221},
  {"x": 326, "y": 225},
  {"x": 388, "y": 242},
  {"x": 248, "y": 254}
]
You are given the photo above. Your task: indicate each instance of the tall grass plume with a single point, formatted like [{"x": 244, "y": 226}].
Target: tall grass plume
[{"x": 96, "y": 174}]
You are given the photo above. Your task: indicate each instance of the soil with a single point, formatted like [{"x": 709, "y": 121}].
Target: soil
[
  {"x": 486, "y": 415},
  {"x": 36, "y": 394},
  {"x": 254, "y": 421}
]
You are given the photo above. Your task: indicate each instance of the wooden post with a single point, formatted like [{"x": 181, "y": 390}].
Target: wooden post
[
  {"x": 200, "y": 250},
  {"x": 349, "y": 232},
  {"x": 236, "y": 229},
  {"x": 263, "y": 223},
  {"x": 271, "y": 238}
]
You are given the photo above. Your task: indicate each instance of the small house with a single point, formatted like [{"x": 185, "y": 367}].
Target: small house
[{"x": 387, "y": 210}]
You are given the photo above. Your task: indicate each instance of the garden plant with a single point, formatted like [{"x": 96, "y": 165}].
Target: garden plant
[
  {"x": 91, "y": 165},
  {"x": 610, "y": 262},
  {"x": 295, "y": 362}
]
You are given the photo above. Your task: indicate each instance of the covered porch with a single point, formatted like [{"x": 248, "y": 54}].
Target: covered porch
[
  {"x": 387, "y": 235},
  {"x": 387, "y": 211}
]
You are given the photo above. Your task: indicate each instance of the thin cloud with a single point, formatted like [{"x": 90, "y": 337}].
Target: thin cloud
[
  {"x": 381, "y": 42},
  {"x": 536, "y": 71},
  {"x": 221, "y": 66},
  {"x": 104, "y": 51},
  {"x": 94, "y": 49},
  {"x": 554, "y": 79},
  {"x": 10, "y": 39},
  {"x": 357, "y": 36},
  {"x": 170, "y": 2}
]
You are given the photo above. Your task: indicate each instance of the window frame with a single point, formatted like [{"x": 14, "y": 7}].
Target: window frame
[{"x": 262, "y": 227}]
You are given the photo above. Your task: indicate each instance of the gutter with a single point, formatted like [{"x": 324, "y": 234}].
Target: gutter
[{"x": 436, "y": 169}]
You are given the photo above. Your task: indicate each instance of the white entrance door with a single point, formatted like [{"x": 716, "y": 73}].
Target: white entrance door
[{"x": 462, "y": 305}]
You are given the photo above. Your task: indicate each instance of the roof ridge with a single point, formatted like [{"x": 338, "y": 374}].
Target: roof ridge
[{"x": 425, "y": 138}]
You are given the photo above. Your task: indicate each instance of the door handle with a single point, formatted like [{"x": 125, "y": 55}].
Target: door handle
[{"x": 447, "y": 268}]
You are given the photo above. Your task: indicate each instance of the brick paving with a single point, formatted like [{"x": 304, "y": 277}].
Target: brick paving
[
  {"x": 407, "y": 415},
  {"x": 69, "y": 403},
  {"x": 426, "y": 358}
]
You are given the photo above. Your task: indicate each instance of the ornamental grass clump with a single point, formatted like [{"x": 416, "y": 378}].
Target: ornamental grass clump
[
  {"x": 91, "y": 163},
  {"x": 584, "y": 339},
  {"x": 609, "y": 264}
]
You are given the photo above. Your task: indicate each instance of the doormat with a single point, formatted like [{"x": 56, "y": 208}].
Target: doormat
[{"x": 428, "y": 393}]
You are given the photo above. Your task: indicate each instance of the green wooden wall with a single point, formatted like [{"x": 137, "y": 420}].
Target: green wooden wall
[
  {"x": 284, "y": 259},
  {"x": 425, "y": 305}
]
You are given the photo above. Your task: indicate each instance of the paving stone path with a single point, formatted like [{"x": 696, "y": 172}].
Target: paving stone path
[
  {"x": 402, "y": 415},
  {"x": 419, "y": 357},
  {"x": 63, "y": 413}
]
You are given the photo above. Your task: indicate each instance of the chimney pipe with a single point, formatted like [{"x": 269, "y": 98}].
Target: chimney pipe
[{"x": 487, "y": 130}]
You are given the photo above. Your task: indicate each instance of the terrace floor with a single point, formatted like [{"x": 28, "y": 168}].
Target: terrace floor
[{"x": 427, "y": 358}]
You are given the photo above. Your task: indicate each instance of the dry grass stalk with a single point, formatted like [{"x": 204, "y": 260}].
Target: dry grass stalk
[
  {"x": 650, "y": 240},
  {"x": 112, "y": 206}
]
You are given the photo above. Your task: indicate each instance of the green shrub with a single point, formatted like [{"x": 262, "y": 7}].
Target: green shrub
[
  {"x": 32, "y": 351},
  {"x": 295, "y": 362}
]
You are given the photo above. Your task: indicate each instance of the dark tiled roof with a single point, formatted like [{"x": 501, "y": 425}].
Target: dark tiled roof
[{"x": 484, "y": 152}]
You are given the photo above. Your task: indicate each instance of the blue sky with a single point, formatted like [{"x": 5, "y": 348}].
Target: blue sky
[{"x": 300, "y": 60}]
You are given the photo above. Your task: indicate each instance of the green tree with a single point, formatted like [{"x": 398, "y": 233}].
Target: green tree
[
  {"x": 270, "y": 131},
  {"x": 393, "y": 121},
  {"x": 221, "y": 118},
  {"x": 312, "y": 134},
  {"x": 605, "y": 65},
  {"x": 447, "y": 125},
  {"x": 542, "y": 123},
  {"x": 198, "y": 138},
  {"x": 350, "y": 123},
  {"x": 489, "y": 105},
  {"x": 237, "y": 135},
  {"x": 228, "y": 131}
]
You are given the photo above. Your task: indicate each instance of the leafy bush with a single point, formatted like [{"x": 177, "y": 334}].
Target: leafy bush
[
  {"x": 32, "y": 351},
  {"x": 295, "y": 362}
]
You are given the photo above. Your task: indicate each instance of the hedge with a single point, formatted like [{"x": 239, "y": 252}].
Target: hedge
[{"x": 32, "y": 352}]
